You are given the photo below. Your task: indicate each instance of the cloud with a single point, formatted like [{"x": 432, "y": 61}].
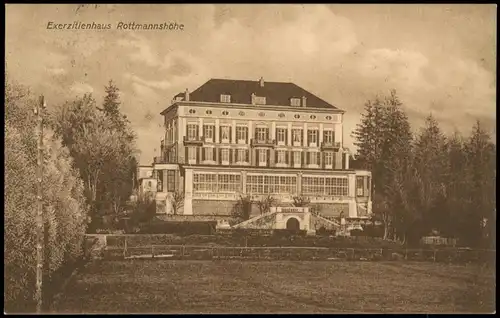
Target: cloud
[{"x": 81, "y": 88}]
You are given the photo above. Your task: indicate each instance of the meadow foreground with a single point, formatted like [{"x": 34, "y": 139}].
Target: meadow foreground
[{"x": 152, "y": 286}]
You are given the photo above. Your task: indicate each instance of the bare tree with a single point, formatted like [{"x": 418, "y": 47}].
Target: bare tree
[
  {"x": 176, "y": 200},
  {"x": 266, "y": 203},
  {"x": 301, "y": 201}
]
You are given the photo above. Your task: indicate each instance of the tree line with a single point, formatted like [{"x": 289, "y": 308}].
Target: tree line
[
  {"x": 88, "y": 165},
  {"x": 427, "y": 181}
]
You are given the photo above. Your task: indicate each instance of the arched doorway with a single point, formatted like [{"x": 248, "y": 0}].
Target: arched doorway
[{"x": 293, "y": 224}]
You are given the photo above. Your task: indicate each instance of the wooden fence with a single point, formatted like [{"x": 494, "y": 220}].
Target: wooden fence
[{"x": 191, "y": 252}]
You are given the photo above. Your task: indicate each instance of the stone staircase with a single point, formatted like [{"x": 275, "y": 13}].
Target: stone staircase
[{"x": 263, "y": 221}]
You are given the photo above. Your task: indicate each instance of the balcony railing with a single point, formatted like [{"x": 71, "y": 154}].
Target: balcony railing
[
  {"x": 263, "y": 142},
  {"x": 194, "y": 141},
  {"x": 330, "y": 145}
]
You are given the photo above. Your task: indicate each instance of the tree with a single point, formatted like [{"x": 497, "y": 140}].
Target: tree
[
  {"x": 265, "y": 204},
  {"x": 384, "y": 145},
  {"x": 481, "y": 156},
  {"x": 431, "y": 164},
  {"x": 301, "y": 201},
  {"x": 103, "y": 146},
  {"x": 176, "y": 201},
  {"x": 243, "y": 208},
  {"x": 64, "y": 205}
]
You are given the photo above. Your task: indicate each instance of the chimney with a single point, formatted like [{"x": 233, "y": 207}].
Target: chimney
[
  {"x": 186, "y": 95},
  {"x": 304, "y": 101},
  {"x": 261, "y": 82}
]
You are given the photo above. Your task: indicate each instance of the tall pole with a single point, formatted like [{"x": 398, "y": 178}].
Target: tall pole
[{"x": 39, "y": 207}]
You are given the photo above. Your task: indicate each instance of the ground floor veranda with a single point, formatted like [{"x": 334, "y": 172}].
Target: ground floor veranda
[{"x": 209, "y": 190}]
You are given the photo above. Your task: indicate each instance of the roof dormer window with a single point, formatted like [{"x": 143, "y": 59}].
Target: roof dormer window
[
  {"x": 224, "y": 98},
  {"x": 295, "y": 102},
  {"x": 258, "y": 100}
]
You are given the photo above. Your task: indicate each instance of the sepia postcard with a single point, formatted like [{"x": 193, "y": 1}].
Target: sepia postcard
[{"x": 250, "y": 158}]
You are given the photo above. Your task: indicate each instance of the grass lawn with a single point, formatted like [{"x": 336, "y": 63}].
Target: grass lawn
[{"x": 156, "y": 286}]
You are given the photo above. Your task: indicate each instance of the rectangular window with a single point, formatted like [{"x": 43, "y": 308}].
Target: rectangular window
[
  {"x": 328, "y": 136},
  {"x": 241, "y": 133},
  {"x": 192, "y": 153},
  {"x": 313, "y": 158},
  {"x": 297, "y": 135},
  {"x": 228, "y": 183},
  {"x": 224, "y": 133},
  {"x": 259, "y": 100},
  {"x": 159, "y": 185},
  {"x": 297, "y": 157},
  {"x": 325, "y": 186},
  {"x": 281, "y": 156},
  {"x": 203, "y": 182},
  {"x": 225, "y": 98},
  {"x": 328, "y": 158},
  {"x": 312, "y": 136},
  {"x": 241, "y": 155},
  {"x": 170, "y": 180},
  {"x": 211, "y": 182},
  {"x": 360, "y": 187},
  {"x": 261, "y": 133},
  {"x": 192, "y": 131},
  {"x": 262, "y": 155},
  {"x": 224, "y": 154},
  {"x": 262, "y": 184},
  {"x": 209, "y": 153},
  {"x": 281, "y": 134},
  {"x": 295, "y": 101},
  {"x": 208, "y": 131},
  {"x": 368, "y": 185}
]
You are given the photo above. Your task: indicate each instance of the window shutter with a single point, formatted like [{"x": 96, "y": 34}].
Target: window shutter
[
  {"x": 287, "y": 157},
  {"x": 214, "y": 154},
  {"x": 302, "y": 158},
  {"x": 291, "y": 158},
  {"x": 275, "y": 157},
  {"x": 276, "y": 134},
  {"x": 247, "y": 155},
  {"x": 268, "y": 156},
  {"x": 255, "y": 133},
  {"x": 186, "y": 158},
  {"x": 202, "y": 154},
  {"x": 308, "y": 154},
  {"x": 308, "y": 138},
  {"x": 197, "y": 132},
  {"x": 230, "y": 137},
  {"x": 197, "y": 151},
  {"x": 220, "y": 156},
  {"x": 230, "y": 154},
  {"x": 333, "y": 136},
  {"x": 247, "y": 134},
  {"x": 318, "y": 156},
  {"x": 220, "y": 134}
]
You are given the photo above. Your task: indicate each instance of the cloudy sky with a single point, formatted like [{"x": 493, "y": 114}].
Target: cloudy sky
[{"x": 441, "y": 59}]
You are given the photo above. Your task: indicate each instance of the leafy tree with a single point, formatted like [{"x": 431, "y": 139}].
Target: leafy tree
[
  {"x": 64, "y": 205},
  {"x": 103, "y": 146}
]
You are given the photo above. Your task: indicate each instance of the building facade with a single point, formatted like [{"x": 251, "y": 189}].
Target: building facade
[{"x": 232, "y": 138}]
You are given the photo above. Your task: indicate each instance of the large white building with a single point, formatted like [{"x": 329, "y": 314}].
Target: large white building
[{"x": 235, "y": 137}]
